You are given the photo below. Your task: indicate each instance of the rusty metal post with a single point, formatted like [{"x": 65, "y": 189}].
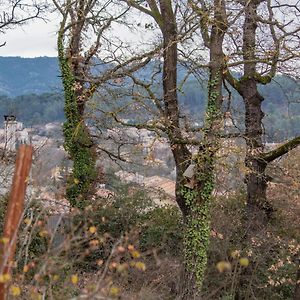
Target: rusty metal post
[{"x": 14, "y": 213}]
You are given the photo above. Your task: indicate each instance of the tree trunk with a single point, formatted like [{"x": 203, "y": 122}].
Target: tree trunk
[
  {"x": 196, "y": 234},
  {"x": 78, "y": 141},
  {"x": 194, "y": 207},
  {"x": 258, "y": 208},
  {"x": 198, "y": 200}
]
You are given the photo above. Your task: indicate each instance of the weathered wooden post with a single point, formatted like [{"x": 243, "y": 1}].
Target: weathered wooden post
[{"x": 14, "y": 213}]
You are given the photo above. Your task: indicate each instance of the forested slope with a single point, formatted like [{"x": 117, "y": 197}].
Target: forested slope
[{"x": 30, "y": 88}]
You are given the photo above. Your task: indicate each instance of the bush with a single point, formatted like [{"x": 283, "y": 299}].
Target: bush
[
  {"x": 132, "y": 213},
  {"x": 88, "y": 256},
  {"x": 161, "y": 229},
  {"x": 271, "y": 254}
]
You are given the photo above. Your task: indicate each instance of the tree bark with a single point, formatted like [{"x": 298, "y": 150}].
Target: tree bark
[
  {"x": 197, "y": 218},
  {"x": 258, "y": 208},
  {"x": 180, "y": 152},
  {"x": 78, "y": 141}
]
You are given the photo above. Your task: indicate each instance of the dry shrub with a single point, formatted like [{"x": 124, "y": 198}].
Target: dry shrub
[
  {"x": 128, "y": 248},
  {"x": 98, "y": 253},
  {"x": 261, "y": 265}
]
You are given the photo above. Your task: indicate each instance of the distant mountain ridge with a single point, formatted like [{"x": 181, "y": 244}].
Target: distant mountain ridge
[
  {"x": 22, "y": 76},
  {"x": 31, "y": 89}
]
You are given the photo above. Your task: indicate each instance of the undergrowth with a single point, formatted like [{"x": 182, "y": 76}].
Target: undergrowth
[{"x": 128, "y": 248}]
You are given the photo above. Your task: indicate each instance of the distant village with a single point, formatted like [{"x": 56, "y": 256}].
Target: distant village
[
  {"x": 155, "y": 170},
  {"x": 51, "y": 165}
]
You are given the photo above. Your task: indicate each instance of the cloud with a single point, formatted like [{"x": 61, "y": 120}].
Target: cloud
[{"x": 34, "y": 39}]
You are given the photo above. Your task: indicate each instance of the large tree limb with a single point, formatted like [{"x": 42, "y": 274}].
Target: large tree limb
[{"x": 281, "y": 150}]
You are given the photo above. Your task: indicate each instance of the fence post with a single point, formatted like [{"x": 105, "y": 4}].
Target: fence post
[{"x": 14, "y": 213}]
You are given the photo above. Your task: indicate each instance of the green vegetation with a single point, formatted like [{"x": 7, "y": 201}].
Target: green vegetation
[
  {"x": 33, "y": 109},
  {"x": 144, "y": 235},
  {"x": 24, "y": 76},
  {"x": 198, "y": 101},
  {"x": 39, "y": 106},
  {"x": 78, "y": 142},
  {"x": 131, "y": 213}
]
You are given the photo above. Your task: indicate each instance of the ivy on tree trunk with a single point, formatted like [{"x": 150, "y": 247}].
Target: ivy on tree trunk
[{"x": 78, "y": 142}]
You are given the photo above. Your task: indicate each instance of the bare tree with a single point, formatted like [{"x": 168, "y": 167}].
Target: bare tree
[
  {"x": 194, "y": 149},
  {"x": 177, "y": 22},
  {"x": 87, "y": 58},
  {"x": 268, "y": 44}
]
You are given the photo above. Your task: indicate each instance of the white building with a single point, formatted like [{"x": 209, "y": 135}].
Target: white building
[{"x": 14, "y": 133}]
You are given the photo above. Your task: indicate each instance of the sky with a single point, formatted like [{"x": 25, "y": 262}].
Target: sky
[
  {"x": 38, "y": 38},
  {"x": 31, "y": 40}
]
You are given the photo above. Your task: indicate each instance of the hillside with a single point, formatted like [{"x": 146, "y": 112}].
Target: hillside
[
  {"x": 19, "y": 76},
  {"x": 31, "y": 89}
]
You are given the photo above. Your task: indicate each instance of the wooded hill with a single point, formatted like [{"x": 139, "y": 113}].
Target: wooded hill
[{"x": 31, "y": 89}]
